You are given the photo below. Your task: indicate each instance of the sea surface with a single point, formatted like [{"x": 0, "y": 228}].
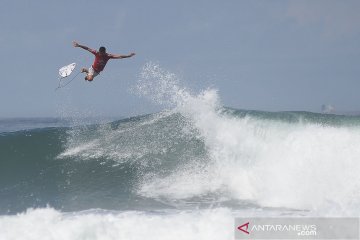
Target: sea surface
[{"x": 182, "y": 173}]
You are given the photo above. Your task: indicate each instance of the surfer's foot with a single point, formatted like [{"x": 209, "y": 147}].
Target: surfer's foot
[{"x": 84, "y": 70}]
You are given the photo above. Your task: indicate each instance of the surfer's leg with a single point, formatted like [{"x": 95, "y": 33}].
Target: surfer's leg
[{"x": 91, "y": 73}]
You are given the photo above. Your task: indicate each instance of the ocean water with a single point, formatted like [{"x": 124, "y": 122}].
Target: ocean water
[{"x": 183, "y": 173}]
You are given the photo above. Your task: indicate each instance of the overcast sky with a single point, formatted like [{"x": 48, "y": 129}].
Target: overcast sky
[{"x": 272, "y": 55}]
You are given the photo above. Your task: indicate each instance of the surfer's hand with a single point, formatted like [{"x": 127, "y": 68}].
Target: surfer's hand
[
  {"x": 75, "y": 44},
  {"x": 132, "y": 54}
]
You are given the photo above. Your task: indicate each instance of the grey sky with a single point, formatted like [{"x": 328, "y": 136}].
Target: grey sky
[{"x": 270, "y": 55}]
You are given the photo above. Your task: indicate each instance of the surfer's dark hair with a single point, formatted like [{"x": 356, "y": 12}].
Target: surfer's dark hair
[{"x": 102, "y": 49}]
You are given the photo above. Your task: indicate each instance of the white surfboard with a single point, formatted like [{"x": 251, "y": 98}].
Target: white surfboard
[{"x": 67, "y": 70}]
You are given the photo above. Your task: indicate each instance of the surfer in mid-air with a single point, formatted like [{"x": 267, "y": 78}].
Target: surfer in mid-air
[{"x": 101, "y": 58}]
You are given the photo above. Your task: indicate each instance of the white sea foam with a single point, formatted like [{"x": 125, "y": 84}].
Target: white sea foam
[
  {"x": 272, "y": 163},
  {"x": 51, "y": 224}
]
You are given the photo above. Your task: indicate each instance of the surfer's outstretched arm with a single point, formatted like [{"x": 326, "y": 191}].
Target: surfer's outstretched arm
[
  {"x": 118, "y": 56},
  {"x": 76, "y": 44}
]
